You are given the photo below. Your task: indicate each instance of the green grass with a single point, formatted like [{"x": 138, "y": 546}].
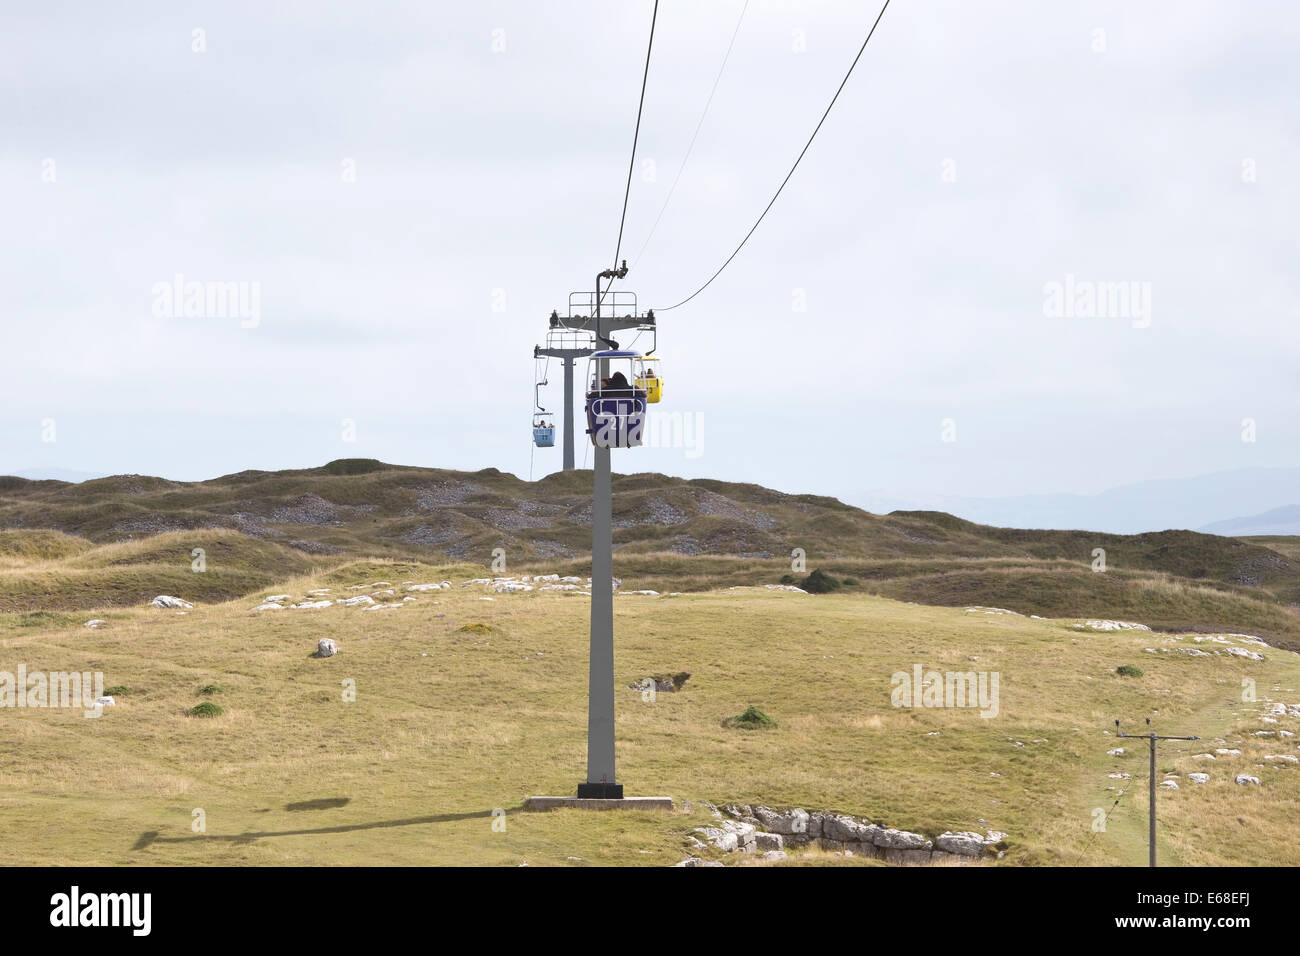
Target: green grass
[
  {"x": 447, "y": 727},
  {"x": 1128, "y": 670},
  {"x": 206, "y": 709}
]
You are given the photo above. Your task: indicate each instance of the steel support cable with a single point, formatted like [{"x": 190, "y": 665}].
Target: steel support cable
[
  {"x": 752, "y": 228},
  {"x": 698, "y": 126},
  {"x": 636, "y": 133}
]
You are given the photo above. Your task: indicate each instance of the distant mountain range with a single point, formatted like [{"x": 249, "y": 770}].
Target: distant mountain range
[
  {"x": 1284, "y": 520},
  {"x": 1206, "y": 502}
]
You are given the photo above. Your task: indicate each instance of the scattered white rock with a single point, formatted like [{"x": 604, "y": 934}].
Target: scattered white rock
[
  {"x": 724, "y": 840},
  {"x": 1227, "y": 752},
  {"x": 1113, "y": 626},
  {"x": 1198, "y": 777},
  {"x": 326, "y": 648},
  {"x": 95, "y": 624},
  {"x": 166, "y": 600},
  {"x": 1244, "y": 778},
  {"x": 360, "y": 599},
  {"x": 269, "y": 607},
  {"x": 1168, "y": 785},
  {"x": 1117, "y": 752},
  {"x": 1285, "y": 758},
  {"x": 275, "y": 598},
  {"x": 105, "y": 702},
  {"x": 310, "y": 604}
]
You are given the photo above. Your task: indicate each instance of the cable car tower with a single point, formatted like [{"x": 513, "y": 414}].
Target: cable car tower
[
  {"x": 617, "y": 391},
  {"x": 591, "y": 318}
]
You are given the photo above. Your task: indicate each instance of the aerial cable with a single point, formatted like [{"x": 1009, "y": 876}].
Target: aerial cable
[
  {"x": 694, "y": 137},
  {"x": 870, "y": 33},
  {"x": 636, "y": 134},
  {"x": 631, "y": 165}
]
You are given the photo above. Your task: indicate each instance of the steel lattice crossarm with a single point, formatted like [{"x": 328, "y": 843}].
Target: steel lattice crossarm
[{"x": 618, "y": 311}]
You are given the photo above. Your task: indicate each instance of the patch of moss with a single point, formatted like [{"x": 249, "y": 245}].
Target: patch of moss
[
  {"x": 1128, "y": 670},
  {"x": 476, "y": 629},
  {"x": 205, "y": 709},
  {"x": 751, "y": 719}
]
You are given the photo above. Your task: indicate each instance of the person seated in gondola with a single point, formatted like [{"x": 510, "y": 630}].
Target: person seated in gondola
[{"x": 616, "y": 385}]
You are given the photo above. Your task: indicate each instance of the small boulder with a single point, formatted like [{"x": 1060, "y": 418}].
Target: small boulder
[
  {"x": 166, "y": 600},
  {"x": 842, "y": 829},
  {"x": 788, "y": 822},
  {"x": 326, "y": 648},
  {"x": 1244, "y": 779},
  {"x": 891, "y": 839},
  {"x": 964, "y": 843}
]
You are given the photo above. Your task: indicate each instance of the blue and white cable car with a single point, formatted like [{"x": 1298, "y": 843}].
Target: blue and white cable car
[
  {"x": 616, "y": 398},
  {"x": 543, "y": 429}
]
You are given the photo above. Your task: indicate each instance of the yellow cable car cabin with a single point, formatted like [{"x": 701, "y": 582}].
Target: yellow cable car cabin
[{"x": 650, "y": 381}]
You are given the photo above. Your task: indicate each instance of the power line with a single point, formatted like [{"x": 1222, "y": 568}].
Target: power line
[
  {"x": 870, "y": 33},
  {"x": 695, "y": 136},
  {"x": 636, "y": 135}
]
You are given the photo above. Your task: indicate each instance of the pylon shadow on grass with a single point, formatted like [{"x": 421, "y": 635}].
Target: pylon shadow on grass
[{"x": 151, "y": 837}]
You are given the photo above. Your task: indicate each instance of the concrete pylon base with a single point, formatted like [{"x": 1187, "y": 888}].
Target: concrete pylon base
[{"x": 589, "y": 803}]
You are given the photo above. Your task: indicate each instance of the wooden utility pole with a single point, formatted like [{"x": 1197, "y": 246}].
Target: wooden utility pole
[{"x": 1151, "y": 739}]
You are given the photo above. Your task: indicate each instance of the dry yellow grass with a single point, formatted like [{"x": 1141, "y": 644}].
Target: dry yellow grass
[{"x": 449, "y": 726}]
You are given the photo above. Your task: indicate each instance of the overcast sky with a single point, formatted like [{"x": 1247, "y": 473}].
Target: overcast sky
[{"x": 410, "y": 188}]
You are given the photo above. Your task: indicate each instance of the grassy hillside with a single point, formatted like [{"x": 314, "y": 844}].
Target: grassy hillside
[
  {"x": 118, "y": 541},
  {"x": 465, "y": 706}
]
